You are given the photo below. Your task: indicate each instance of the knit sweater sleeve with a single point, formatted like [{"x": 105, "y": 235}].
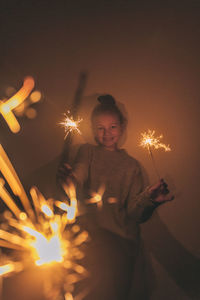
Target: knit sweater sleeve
[
  {"x": 81, "y": 164},
  {"x": 139, "y": 203}
]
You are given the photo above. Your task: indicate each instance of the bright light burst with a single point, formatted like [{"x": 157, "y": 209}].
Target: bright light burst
[
  {"x": 70, "y": 124},
  {"x": 40, "y": 235},
  {"x": 149, "y": 140},
  {"x": 97, "y": 197}
]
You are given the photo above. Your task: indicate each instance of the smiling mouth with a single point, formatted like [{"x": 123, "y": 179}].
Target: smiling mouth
[{"x": 106, "y": 139}]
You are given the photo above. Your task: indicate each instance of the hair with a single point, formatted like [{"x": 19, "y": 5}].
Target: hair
[{"x": 107, "y": 104}]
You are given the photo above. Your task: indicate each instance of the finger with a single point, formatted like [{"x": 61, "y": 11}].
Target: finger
[
  {"x": 163, "y": 198},
  {"x": 164, "y": 185},
  {"x": 164, "y": 191},
  {"x": 155, "y": 187},
  {"x": 167, "y": 199},
  {"x": 65, "y": 169},
  {"x": 67, "y": 166}
]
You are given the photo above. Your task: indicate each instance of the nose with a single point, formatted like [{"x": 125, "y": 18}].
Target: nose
[{"x": 106, "y": 132}]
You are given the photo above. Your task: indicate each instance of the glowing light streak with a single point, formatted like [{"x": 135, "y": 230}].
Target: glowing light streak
[
  {"x": 12, "y": 122},
  {"x": 12, "y": 238},
  {"x": 71, "y": 209},
  {"x": 70, "y": 124},
  {"x": 10, "y": 267},
  {"x": 8, "y": 199},
  {"x": 47, "y": 210},
  {"x": 6, "y": 269},
  {"x": 13, "y": 180},
  {"x": 9, "y": 245},
  {"x": 36, "y": 200},
  {"x": 7, "y": 106},
  {"x": 68, "y": 296}
]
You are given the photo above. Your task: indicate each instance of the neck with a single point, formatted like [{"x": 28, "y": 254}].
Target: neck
[{"x": 115, "y": 148}]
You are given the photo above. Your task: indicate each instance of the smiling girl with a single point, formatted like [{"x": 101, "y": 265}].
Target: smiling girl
[{"x": 125, "y": 203}]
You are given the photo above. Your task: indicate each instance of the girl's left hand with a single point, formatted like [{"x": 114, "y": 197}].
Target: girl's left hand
[{"x": 159, "y": 192}]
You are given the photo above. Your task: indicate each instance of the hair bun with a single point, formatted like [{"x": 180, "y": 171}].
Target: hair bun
[{"x": 106, "y": 100}]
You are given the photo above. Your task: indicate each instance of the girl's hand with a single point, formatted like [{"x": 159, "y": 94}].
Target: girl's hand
[
  {"x": 65, "y": 172},
  {"x": 159, "y": 192}
]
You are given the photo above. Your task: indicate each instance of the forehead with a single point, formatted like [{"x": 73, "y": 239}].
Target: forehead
[{"x": 106, "y": 118}]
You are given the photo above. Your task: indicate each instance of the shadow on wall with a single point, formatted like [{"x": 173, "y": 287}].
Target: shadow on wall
[{"x": 178, "y": 262}]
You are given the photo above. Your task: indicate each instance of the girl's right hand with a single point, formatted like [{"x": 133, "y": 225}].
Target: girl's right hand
[{"x": 64, "y": 172}]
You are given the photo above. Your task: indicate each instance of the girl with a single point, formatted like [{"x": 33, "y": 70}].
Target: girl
[{"x": 114, "y": 223}]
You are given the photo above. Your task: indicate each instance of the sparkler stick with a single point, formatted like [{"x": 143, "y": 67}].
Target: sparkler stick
[
  {"x": 7, "y": 106},
  {"x": 148, "y": 141},
  {"x": 154, "y": 163}
]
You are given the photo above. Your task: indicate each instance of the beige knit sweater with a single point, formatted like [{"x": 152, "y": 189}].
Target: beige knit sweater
[{"x": 125, "y": 203}]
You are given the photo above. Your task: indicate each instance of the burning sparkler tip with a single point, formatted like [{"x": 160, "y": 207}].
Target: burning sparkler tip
[
  {"x": 149, "y": 140},
  {"x": 70, "y": 125}
]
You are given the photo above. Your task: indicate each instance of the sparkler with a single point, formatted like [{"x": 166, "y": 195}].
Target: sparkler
[
  {"x": 70, "y": 125},
  {"x": 41, "y": 237},
  {"x": 149, "y": 141},
  {"x": 97, "y": 197},
  {"x": 8, "y": 106}
]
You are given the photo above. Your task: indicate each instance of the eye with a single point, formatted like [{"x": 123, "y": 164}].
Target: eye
[
  {"x": 100, "y": 128},
  {"x": 114, "y": 126}
]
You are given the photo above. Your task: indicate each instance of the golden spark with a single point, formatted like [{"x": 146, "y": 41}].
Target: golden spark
[
  {"x": 149, "y": 141},
  {"x": 40, "y": 234},
  {"x": 70, "y": 124}
]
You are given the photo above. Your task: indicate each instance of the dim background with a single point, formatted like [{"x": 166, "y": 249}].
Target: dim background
[{"x": 145, "y": 54}]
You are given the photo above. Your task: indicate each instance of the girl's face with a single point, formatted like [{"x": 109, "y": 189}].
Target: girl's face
[{"x": 107, "y": 130}]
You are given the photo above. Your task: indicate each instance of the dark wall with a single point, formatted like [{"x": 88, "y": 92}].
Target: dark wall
[{"x": 146, "y": 54}]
